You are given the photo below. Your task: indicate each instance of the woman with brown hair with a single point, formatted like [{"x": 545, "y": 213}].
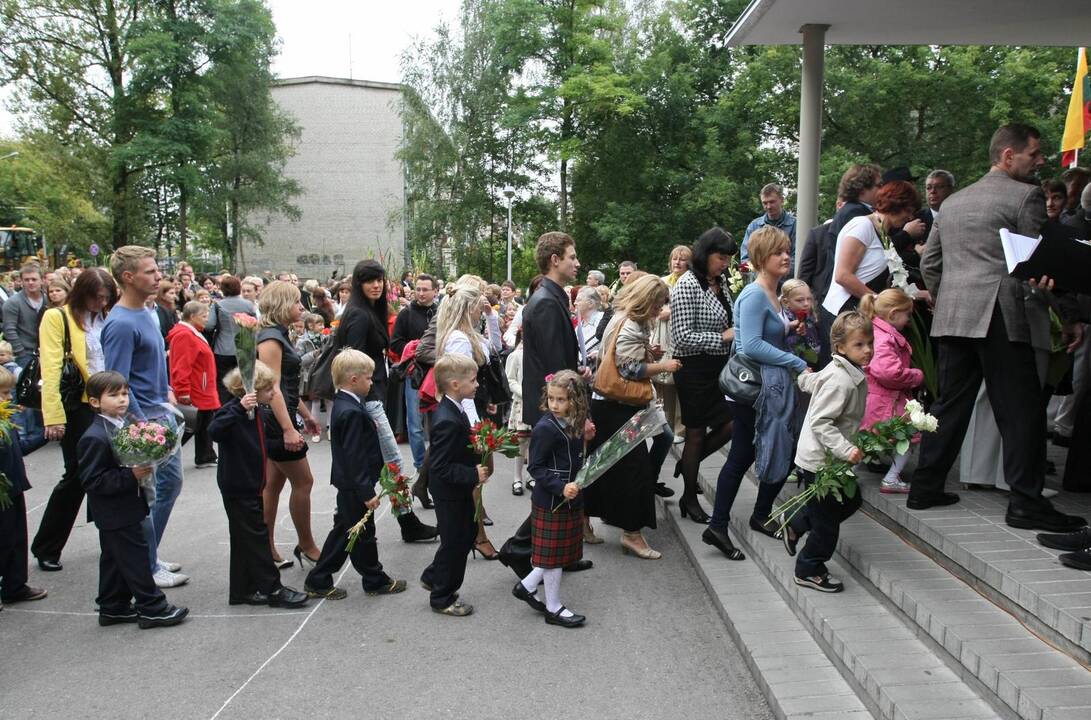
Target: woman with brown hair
[
  {"x": 82, "y": 317},
  {"x": 166, "y": 305},
  {"x": 284, "y": 445}
]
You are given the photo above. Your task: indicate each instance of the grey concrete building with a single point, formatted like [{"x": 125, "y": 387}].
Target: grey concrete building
[{"x": 353, "y": 185}]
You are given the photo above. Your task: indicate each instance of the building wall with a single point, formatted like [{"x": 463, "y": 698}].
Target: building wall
[{"x": 352, "y": 183}]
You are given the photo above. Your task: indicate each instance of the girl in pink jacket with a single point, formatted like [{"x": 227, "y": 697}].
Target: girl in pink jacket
[{"x": 890, "y": 379}]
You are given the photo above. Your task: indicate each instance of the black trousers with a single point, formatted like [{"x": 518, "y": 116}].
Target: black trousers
[
  {"x": 821, "y": 520},
  {"x": 13, "y": 548},
  {"x": 124, "y": 574},
  {"x": 1015, "y": 393},
  {"x": 1077, "y": 468},
  {"x": 251, "y": 569},
  {"x": 64, "y": 502},
  {"x": 224, "y": 365},
  {"x": 457, "y": 532},
  {"x": 364, "y": 555},
  {"x": 203, "y": 450}
]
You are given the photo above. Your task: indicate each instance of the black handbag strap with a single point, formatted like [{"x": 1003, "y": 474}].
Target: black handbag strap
[{"x": 67, "y": 338}]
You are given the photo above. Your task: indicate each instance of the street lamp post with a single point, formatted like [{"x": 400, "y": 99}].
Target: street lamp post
[{"x": 509, "y": 193}]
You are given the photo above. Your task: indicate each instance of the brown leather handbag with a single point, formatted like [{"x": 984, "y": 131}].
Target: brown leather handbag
[{"x": 611, "y": 385}]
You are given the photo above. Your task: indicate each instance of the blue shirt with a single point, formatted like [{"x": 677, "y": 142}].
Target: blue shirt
[
  {"x": 134, "y": 347},
  {"x": 786, "y": 222},
  {"x": 759, "y": 330}
]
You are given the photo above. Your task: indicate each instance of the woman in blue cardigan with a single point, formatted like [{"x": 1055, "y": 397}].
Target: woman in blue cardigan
[{"x": 760, "y": 332}]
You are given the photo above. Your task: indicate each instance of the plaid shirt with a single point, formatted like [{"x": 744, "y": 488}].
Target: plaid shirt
[{"x": 698, "y": 318}]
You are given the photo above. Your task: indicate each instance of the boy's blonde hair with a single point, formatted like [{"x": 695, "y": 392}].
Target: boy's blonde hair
[
  {"x": 7, "y": 379},
  {"x": 791, "y": 286},
  {"x": 276, "y": 303},
  {"x": 5, "y": 347},
  {"x": 350, "y": 362},
  {"x": 765, "y": 242},
  {"x": 885, "y": 304},
  {"x": 263, "y": 379},
  {"x": 127, "y": 259},
  {"x": 845, "y": 325},
  {"x": 452, "y": 366}
]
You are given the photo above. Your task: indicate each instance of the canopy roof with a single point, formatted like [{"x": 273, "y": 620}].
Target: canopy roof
[{"x": 920, "y": 22}]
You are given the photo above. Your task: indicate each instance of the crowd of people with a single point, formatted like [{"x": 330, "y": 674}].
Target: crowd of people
[{"x": 735, "y": 343}]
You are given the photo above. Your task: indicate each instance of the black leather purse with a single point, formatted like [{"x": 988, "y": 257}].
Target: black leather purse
[
  {"x": 28, "y": 389},
  {"x": 72, "y": 384},
  {"x": 494, "y": 380}
]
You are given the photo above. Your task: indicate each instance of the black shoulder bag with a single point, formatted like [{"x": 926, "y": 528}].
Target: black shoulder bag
[{"x": 71, "y": 384}]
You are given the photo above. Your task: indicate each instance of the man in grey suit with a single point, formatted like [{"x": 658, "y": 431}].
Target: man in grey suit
[{"x": 982, "y": 331}]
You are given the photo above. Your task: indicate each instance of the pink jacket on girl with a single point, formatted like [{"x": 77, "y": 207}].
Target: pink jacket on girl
[{"x": 889, "y": 375}]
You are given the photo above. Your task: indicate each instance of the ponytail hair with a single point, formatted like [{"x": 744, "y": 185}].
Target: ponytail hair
[{"x": 885, "y": 304}]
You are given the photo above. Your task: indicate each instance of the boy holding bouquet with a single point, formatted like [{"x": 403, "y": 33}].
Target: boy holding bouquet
[
  {"x": 357, "y": 461},
  {"x": 455, "y": 470},
  {"x": 253, "y": 576},
  {"x": 116, "y": 504}
]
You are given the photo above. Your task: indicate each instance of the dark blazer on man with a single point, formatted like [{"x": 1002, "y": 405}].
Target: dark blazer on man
[
  {"x": 114, "y": 499},
  {"x": 826, "y": 248},
  {"x": 549, "y": 343},
  {"x": 357, "y": 459},
  {"x": 240, "y": 471},
  {"x": 453, "y": 473}
]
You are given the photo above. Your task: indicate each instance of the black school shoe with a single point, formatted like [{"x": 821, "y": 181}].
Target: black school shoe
[
  {"x": 172, "y": 615},
  {"x": 565, "y": 622},
  {"x": 663, "y": 491},
  {"x": 930, "y": 501},
  {"x": 50, "y": 565},
  {"x": 1048, "y": 519},
  {"x": 25, "y": 594},
  {"x": 821, "y": 583},
  {"x": 117, "y": 617},
  {"x": 520, "y": 592},
  {"x": 1079, "y": 560},
  {"x": 1071, "y": 542},
  {"x": 281, "y": 597}
]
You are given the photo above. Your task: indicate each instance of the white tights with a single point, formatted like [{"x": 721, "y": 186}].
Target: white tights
[
  {"x": 552, "y": 580},
  {"x": 896, "y": 467}
]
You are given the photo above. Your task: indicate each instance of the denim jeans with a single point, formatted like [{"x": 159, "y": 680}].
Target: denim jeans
[
  {"x": 387, "y": 443},
  {"x": 413, "y": 424},
  {"x": 739, "y": 459},
  {"x": 168, "y": 485},
  {"x": 148, "y": 528},
  {"x": 661, "y": 447}
]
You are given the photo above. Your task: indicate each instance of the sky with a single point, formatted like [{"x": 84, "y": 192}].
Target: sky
[{"x": 319, "y": 36}]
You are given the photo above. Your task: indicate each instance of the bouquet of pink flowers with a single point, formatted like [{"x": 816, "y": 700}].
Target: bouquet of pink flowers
[
  {"x": 246, "y": 350},
  {"x": 145, "y": 443}
]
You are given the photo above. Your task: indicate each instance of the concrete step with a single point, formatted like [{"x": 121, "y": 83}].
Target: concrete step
[
  {"x": 910, "y": 637},
  {"x": 1005, "y": 564}
]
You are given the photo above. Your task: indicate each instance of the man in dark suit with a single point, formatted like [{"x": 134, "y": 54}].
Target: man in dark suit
[
  {"x": 982, "y": 330},
  {"x": 357, "y": 462}
]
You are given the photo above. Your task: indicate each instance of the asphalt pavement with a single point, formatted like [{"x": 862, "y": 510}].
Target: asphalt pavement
[{"x": 653, "y": 646}]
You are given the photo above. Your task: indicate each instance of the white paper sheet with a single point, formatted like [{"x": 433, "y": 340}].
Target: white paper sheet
[{"x": 1017, "y": 248}]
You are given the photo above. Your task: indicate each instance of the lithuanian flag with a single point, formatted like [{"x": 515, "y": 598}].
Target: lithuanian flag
[{"x": 1078, "y": 122}]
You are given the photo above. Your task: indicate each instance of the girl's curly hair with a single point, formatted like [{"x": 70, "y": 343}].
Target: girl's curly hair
[{"x": 579, "y": 404}]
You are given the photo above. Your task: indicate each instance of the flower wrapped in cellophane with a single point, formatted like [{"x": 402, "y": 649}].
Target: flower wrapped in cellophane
[
  {"x": 485, "y": 439},
  {"x": 392, "y": 484},
  {"x": 836, "y": 476},
  {"x": 644, "y": 424},
  {"x": 246, "y": 351},
  {"x": 145, "y": 443}
]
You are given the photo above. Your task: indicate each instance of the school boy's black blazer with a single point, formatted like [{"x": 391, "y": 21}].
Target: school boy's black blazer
[
  {"x": 453, "y": 465},
  {"x": 12, "y": 450},
  {"x": 114, "y": 499},
  {"x": 555, "y": 458},
  {"x": 357, "y": 458},
  {"x": 240, "y": 471}
]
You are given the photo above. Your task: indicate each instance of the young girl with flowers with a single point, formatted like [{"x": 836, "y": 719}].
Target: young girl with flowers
[
  {"x": 556, "y": 455},
  {"x": 797, "y": 309},
  {"x": 890, "y": 377}
]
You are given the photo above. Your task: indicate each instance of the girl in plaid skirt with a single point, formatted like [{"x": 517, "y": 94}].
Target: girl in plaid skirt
[{"x": 556, "y": 454}]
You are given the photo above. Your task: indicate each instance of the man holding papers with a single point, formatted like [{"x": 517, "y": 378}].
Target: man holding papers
[{"x": 983, "y": 332}]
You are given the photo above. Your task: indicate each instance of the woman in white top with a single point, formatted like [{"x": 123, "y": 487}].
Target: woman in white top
[
  {"x": 456, "y": 332},
  {"x": 860, "y": 258}
]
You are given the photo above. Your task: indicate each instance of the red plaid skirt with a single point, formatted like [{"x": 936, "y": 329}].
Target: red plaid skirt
[{"x": 556, "y": 538}]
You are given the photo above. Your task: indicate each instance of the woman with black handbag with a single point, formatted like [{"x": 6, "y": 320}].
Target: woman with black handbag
[
  {"x": 625, "y": 495},
  {"x": 70, "y": 353}
]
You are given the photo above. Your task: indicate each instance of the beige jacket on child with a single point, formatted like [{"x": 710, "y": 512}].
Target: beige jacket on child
[{"x": 838, "y": 400}]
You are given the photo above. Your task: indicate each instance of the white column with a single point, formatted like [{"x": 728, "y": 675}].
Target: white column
[{"x": 810, "y": 131}]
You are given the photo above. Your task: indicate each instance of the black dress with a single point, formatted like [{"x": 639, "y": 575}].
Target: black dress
[
  {"x": 625, "y": 496},
  {"x": 290, "y": 362}
]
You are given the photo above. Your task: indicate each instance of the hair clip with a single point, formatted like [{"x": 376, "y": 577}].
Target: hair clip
[{"x": 549, "y": 377}]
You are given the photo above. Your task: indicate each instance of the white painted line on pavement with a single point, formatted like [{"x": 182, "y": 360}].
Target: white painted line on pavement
[
  {"x": 41, "y": 504},
  {"x": 293, "y": 636},
  {"x": 95, "y": 614}
]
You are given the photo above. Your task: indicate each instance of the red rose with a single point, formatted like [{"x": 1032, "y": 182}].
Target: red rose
[
  {"x": 744, "y": 267},
  {"x": 801, "y": 315}
]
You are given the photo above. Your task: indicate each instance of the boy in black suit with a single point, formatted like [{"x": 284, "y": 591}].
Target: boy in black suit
[
  {"x": 455, "y": 470},
  {"x": 13, "y": 516},
  {"x": 253, "y": 576},
  {"x": 116, "y": 503},
  {"x": 357, "y": 460}
]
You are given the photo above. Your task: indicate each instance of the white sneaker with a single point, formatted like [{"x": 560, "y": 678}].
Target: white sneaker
[
  {"x": 169, "y": 566},
  {"x": 894, "y": 485},
  {"x": 679, "y": 439},
  {"x": 316, "y": 438},
  {"x": 166, "y": 579}
]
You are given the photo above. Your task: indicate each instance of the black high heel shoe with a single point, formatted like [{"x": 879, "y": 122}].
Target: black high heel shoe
[
  {"x": 478, "y": 549},
  {"x": 691, "y": 508},
  {"x": 421, "y": 494},
  {"x": 299, "y": 555}
]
